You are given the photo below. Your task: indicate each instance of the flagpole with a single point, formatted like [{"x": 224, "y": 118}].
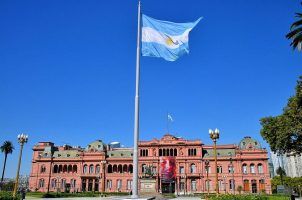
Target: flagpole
[{"x": 136, "y": 110}]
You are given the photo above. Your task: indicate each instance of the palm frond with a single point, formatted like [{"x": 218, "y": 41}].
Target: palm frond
[
  {"x": 297, "y": 42},
  {"x": 293, "y": 33},
  {"x": 296, "y": 24}
]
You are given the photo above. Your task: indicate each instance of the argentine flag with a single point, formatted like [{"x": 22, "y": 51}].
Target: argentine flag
[{"x": 164, "y": 39}]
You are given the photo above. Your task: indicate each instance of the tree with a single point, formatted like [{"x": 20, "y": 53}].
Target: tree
[
  {"x": 295, "y": 33},
  {"x": 281, "y": 173},
  {"x": 284, "y": 132},
  {"x": 6, "y": 148}
]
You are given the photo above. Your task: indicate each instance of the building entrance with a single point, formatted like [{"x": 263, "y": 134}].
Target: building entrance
[{"x": 168, "y": 187}]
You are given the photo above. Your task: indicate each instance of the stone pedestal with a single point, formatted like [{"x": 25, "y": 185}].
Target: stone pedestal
[{"x": 147, "y": 185}]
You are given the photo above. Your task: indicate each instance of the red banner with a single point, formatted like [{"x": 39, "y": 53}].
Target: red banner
[{"x": 167, "y": 168}]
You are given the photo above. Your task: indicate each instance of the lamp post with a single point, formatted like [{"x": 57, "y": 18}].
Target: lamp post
[
  {"x": 214, "y": 135},
  {"x": 21, "y": 139},
  {"x": 207, "y": 162},
  {"x": 103, "y": 176}
]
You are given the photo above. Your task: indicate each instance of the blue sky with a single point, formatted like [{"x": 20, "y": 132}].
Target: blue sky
[{"x": 67, "y": 71}]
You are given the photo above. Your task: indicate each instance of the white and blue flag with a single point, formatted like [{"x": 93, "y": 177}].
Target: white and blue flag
[{"x": 164, "y": 39}]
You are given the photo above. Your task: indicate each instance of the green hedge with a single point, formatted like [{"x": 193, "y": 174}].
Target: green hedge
[
  {"x": 4, "y": 195},
  {"x": 80, "y": 194},
  {"x": 249, "y": 197}
]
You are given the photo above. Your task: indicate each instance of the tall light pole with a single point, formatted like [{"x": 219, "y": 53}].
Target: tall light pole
[
  {"x": 21, "y": 139},
  {"x": 214, "y": 135},
  {"x": 207, "y": 162},
  {"x": 103, "y": 162}
]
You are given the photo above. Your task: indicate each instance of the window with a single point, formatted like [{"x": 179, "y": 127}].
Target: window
[
  {"x": 252, "y": 168},
  {"x": 220, "y": 184},
  {"x": 72, "y": 183},
  {"x": 91, "y": 169},
  {"x": 97, "y": 169},
  {"x": 85, "y": 169},
  {"x": 41, "y": 183},
  {"x": 43, "y": 169},
  {"x": 232, "y": 184},
  {"x": 208, "y": 169},
  {"x": 53, "y": 183},
  {"x": 262, "y": 185},
  {"x": 129, "y": 184},
  {"x": 63, "y": 184},
  {"x": 109, "y": 184},
  {"x": 181, "y": 170},
  {"x": 192, "y": 152},
  {"x": 119, "y": 184},
  {"x": 219, "y": 169},
  {"x": 193, "y": 185},
  {"x": 208, "y": 184},
  {"x": 160, "y": 152},
  {"x": 231, "y": 169},
  {"x": 244, "y": 168},
  {"x": 260, "y": 168},
  {"x": 193, "y": 168}
]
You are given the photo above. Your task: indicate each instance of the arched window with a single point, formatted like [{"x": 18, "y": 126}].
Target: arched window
[
  {"x": 125, "y": 168},
  {"x": 74, "y": 169},
  {"x": 43, "y": 169},
  {"x": 231, "y": 169},
  {"x": 60, "y": 169},
  {"x": 219, "y": 169},
  {"x": 91, "y": 169},
  {"x": 54, "y": 183},
  {"x": 85, "y": 169},
  {"x": 208, "y": 185},
  {"x": 208, "y": 169},
  {"x": 55, "y": 169},
  {"x": 41, "y": 183},
  {"x": 141, "y": 152},
  {"x": 131, "y": 168},
  {"x": 146, "y": 152},
  {"x": 164, "y": 152},
  {"x": 97, "y": 169},
  {"x": 109, "y": 169},
  {"x": 160, "y": 152},
  {"x": 221, "y": 185},
  {"x": 244, "y": 168},
  {"x": 193, "y": 168},
  {"x": 232, "y": 184},
  {"x": 120, "y": 169},
  {"x": 252, "y": 168},
  {"x": 171, "y": 152},
  {"x": 168, "y": 152},
  {"x": 175, "y": 152},
  {"x": 72, "y": 183},
  {"x": 65, "y": 169},
  {"x": 63, "y": 184},
  {"x": 114, "y": 168},
  {"x": 69, "y": 168},
  {"x": 260, "y": 168}
]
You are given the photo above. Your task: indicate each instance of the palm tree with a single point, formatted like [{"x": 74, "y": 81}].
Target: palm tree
[
  {"x": 295, "y": 33},
  {"x": 6, "y": 148}
]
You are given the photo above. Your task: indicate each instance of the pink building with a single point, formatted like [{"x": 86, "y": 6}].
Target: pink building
[{"x": 169, "y": 164}]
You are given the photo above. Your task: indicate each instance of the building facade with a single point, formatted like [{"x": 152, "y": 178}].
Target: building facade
[
  {"x": 167, "y": 165},
  {"x": 290, "y": 162}
]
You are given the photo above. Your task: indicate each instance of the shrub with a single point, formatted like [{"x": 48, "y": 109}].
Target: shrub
[{"x": 4, "y": 195}]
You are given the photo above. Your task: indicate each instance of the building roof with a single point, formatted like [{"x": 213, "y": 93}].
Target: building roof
[{"x": 249, "y": 143}]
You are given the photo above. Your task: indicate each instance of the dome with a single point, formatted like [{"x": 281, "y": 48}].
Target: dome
[{"x": 249, "y": 143}]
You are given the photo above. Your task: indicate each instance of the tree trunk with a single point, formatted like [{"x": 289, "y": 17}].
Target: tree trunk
[{"x": 3, "y": 167}]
